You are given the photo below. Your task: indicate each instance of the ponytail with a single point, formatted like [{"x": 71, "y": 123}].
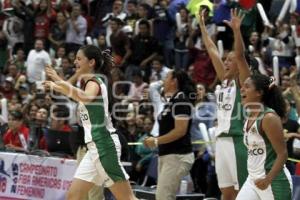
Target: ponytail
[
  {"x": 103, "y": 64},
  {"x": 271, "y": 93}
]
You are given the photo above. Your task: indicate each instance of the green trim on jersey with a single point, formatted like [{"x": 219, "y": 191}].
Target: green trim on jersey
[
  {"x": 237, "y": 116},
  {"x": 270, "y": 152},
  {"x": 241, "y": 159},
  {"x": 96, "y": 115},
  {"x": 281, "y": 190},
  {"x": 109, "y": 159},
  {"x": 102, "y": 137}
]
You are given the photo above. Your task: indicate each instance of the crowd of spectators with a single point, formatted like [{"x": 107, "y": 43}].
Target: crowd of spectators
[{"x": 146, "y": 43}]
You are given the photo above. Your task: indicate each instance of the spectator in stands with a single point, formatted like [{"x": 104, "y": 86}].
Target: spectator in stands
[
  {"x": 101, "y": 42},
  {"x": 117, "y": 11},
  {"x": 255, "y": 43},
  {"x": 119, "y": 43},
  {"x": 13, "y": 29},
  {"x": 137, "y": 87},
  {"x": 76, "y": 29},
  {"x": 204, "y": 71},
  {"x": 44, "y": 15},
  {"x": 16, "y": 137},
  {"x": 132, "y": 15},
  {"x": 57, "y": 34},
  {"x": 288, "y": 93},
  {"x": 130, "y": 127},
  {"x": 67, "y": 68},
  {"x": 159, "y": 70},
  {"x": 59, "y": 119},
  {"x": 182, "y": 34},
  {"x": 119, "y": 89},
  {"x": 4, "y": 52},
  {"x": 25, "y": 11},
  {"x": 164, "y": 30},
  {"x": 7, "y": 89},
  {"x": 37, "y": 129},
  {"x": 144, "y": 49},
  {"x": 57, "y": 56},
  {"x": 20, "y": 60},
  {"x": 41, "y": 118},
  {"x": 281, "y": 45},
  {"x": 143, "y": 14},
  {"x": 174, "y": 142},
  {"x": 64, "y": 6},
  {"x": 144, "y": 153},
  {"x": 30, "y": 111},
  {"x": 37, "y": 59},
  {"x": 291, "y": 132},
  {"x": 205, "y": 112},
  {"x": 13, "y": 71}
]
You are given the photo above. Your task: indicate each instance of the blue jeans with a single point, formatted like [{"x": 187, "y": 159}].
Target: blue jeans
[{"x": 181, "y": 60}]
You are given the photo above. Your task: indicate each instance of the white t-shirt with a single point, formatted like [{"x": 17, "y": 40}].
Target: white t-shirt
[{"x": 36, "y": 63}]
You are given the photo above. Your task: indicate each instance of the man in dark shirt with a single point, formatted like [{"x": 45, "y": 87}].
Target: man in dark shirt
[{"x": 144, "y": 49}]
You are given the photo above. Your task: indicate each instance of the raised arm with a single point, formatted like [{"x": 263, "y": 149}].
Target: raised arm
[
  {"x": 239, "y": 47},
  {"x": 211, "y": 48}
]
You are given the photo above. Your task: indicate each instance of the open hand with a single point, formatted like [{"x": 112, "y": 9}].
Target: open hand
[
  {"x": 201, "y": 18},
  {"x": 236, "y": 19}
]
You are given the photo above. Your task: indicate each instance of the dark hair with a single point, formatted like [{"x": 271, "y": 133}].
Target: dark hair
[
  {"x": 182, "y": 7},
  {"x": 145, "y": 6},
  {"x": 137, "y": 72},
  {"x": 17, "y": 115},
  {"x": 159, "y": 59},
  {"x": 117, "y": 20},
  {"x": 271, "y": 94},
  {"x": 144, "y": 22},
  {"x": 132, "y": 2},
  {"x": 61, "y": 111},
  {"x": 185, "y": 84},
  {"x": 252, "y": 62},
  {"x": 104, "y": 61}
]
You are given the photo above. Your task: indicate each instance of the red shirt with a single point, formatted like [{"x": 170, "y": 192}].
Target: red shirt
[
  {"x": 42, "y": 25},
  {"x": 204, "y": 71},
  {"x": 13, "y": 138}
]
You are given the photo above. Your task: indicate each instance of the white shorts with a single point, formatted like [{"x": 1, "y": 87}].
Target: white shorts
[
  {"x": 276, "y": 190},
  {"x": 231, "y": 162},
  {"x": 92, "y": 170}
]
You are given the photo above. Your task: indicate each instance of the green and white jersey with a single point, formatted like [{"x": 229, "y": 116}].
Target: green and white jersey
[
  {"x": 95, "y": 116},
  {"x": 261, "y": 155},
  {"x": 229, "y": 109}
]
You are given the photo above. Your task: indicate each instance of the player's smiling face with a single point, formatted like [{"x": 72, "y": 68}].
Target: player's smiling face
[
  {"x": 81, "y": 62},
  {"x": 249, "y": 93}
]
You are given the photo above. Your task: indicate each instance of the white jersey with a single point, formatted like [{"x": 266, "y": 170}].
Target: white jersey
[
  {"x": 95, "y": 117},
  {"x": 227, "y": 107},
  {"x": 261, "y": 155}
]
